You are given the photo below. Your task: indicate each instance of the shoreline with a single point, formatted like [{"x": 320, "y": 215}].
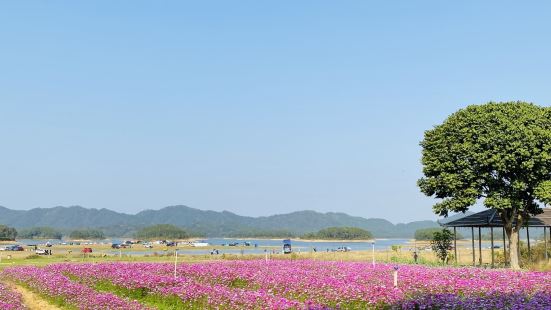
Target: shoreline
[
  {"x": 408, "y": 240},
  {"x": 318, "y": 240}
]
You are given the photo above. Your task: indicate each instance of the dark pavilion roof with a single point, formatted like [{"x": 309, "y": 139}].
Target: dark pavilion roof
[{"x": 491, "y": 218}]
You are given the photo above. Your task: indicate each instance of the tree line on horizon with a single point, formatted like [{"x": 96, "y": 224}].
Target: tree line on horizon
[
  {"x": 7, "y": 233},
  {"x": 168, "y": 231},
  {"x": 10, "y": 233},
  {"x": 207, "y": 223}
]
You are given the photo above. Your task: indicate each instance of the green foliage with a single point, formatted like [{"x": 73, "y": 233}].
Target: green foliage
[
  {"x": 537, "y": 253},
  {"x": 441, "y": 243},
  {"x": 239, "y": 283},
  {"x": 40, "y": 233},
  {"x": 87, "y": 234},
  {"x": 33, "y": 256},
  {"x": 497, "y": 151},
  {"x": 162, "y": 231},
  {"x": 340, "y": 233},
  {"x": 7, "y": 233},
  {"x": 543, "y": 192},
  {"x": 396, "y": 247},
  {"x": 143, "y": 295},
  {"x": 58, "y": 301},
  {"x": 428, "y": 233},
  {"x": 259, "y": 233}
]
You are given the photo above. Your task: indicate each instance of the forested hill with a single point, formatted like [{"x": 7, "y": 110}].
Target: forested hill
[{"x": 210, "y": 223}]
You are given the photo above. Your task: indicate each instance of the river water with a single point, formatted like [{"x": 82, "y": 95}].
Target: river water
[{"x": 262, "y": 245}]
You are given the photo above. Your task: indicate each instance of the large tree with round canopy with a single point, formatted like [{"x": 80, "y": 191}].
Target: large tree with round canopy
[{"x": 496, "y": 153}]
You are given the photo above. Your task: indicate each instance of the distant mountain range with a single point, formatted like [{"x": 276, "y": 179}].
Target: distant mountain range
[{"x": 209, "y": 223}]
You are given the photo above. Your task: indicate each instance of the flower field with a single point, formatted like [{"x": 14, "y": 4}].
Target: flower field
[
  {"x": 283, "y": 284},
  {"x": 10, "y": 300}
]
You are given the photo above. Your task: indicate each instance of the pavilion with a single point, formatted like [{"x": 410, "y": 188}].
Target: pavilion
[{"x": 490, "y": 219}]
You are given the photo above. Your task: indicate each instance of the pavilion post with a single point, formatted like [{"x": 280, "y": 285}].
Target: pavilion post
[
  {"x": 545, "y": 240},
  {"x": 528, "y": 240},
  {"x": 479, "y": 246},
  {"x": 492, "y": 244},
  {"x": 455, "y": 243},
  {"x": 504, "y": 249},
  {"x": 472, "y": 236},
  {"x": 549, "y": 240}
]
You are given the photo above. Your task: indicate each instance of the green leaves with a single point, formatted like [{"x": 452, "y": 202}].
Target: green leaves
[
  {"x": 441, "y": 242},
  {"x": 85, "y": 234},
  {"x": 543, "y": 192},
  {"x": 428, "y": 233},
  {"x": 454, "y": 204},
  {"x": 497, "y": 151},
  {"x": 7, "y": 233},
  {"x": 341, "y": 233},
  {"x": 162, "y": 231}
]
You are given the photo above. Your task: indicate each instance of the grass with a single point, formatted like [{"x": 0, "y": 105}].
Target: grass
[
  {"x": 68, "y": 253},
  {"x": 145, "y": 297},
  {"x": 238, "y": 283},
  {"x": 540, "y": 266},
  {"x": 55, "y": 301},
  {"x": 24, "y": 258}
]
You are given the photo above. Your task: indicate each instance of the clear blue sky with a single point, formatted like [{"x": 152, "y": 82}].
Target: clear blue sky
[{"x": 254, "y": 107}]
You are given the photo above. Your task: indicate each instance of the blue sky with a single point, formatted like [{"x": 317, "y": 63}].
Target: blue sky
[{"x": 253, "y": 107}]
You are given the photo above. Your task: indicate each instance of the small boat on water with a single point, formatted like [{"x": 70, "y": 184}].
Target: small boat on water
[{"x": 199, "y": 244}]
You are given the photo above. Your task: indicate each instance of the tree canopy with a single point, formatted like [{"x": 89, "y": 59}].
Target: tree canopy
[
  {"x": 428, "y": 233},
  {"x": 499, "y": 153},
  {"x": 340, "y": 233},
  {"x": 162, "y": 231},
  {"x": 87, "y": 234},
  {"x": 441, "y": 242},
  {"x": 7, "y": 233},
  {"x": 40, "y": 233}
]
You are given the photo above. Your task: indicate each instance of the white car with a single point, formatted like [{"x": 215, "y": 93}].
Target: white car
[
  {"x": 40, "y": 252},
  {"x": 344, "y": 249}
]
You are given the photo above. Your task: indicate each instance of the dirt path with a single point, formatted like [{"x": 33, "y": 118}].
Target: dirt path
[{"x": 32, "y": 300}]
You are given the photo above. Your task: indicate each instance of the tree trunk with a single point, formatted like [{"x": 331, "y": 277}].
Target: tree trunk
[
  {"x": 512, "y": 232},
  {"x": 513, "y": 249}
]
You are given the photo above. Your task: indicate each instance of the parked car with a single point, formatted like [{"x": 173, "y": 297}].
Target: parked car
[
  {"x": 14, "y": 248},
  {"x": 115, "y": 246},
  {"x": 40, "y": 252},
  {"x": 344, "y": 249}
]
